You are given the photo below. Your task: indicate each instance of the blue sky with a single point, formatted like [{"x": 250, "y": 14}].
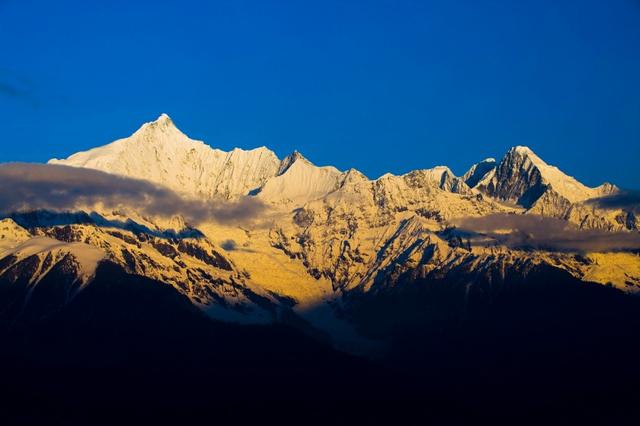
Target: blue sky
[{"x": 376, "y": 85}]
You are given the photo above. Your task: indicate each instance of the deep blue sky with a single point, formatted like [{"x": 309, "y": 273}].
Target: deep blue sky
[{"x": 376, "y": 85}]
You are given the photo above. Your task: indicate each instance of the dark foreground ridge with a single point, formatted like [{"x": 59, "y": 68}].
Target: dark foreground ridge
[{"x": 129, "y": 350}]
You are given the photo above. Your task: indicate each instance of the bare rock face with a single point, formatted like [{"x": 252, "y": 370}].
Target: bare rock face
[{"x": 516, "y": 179}]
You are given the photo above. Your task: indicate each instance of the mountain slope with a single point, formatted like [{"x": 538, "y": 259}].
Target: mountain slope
[{"x": 299, "y": 181}]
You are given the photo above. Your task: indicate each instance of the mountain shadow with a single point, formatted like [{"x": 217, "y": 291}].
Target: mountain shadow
[
  {"x": 465, "y": 349},
  {"x": 510, "y": 345},
  {"x": 130, "y": 350}
]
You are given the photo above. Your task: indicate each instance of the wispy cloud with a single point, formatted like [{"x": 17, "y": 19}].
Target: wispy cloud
[
  {"x": 625, "y": 200},
  {"x": 544, "y": 233},
  {"x": 25, "y": 187}
]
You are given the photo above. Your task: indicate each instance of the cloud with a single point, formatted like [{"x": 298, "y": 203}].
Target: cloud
[
  {"x": 26, "y": 187},
  {"x": 544, "y": 233},
  {"x": 625, "y": 200},
  {"x": 229, "y": 245}
]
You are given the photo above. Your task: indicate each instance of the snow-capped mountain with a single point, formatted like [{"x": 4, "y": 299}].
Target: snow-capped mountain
[
  {"x": 161, "y": 153},
  {"x": 479, "y": 171},
  {"x": 332, "y": 241},
  {"x": 522, "y": 177}
]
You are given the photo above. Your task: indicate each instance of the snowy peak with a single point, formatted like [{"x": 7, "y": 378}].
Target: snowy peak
[
  {"x": 162, "y": 131},
  {"x": 478, "y": 171},
  {"x": 159, "y": 152},
  {"x": 164, "y": 118},
  {"x": 162, "y": 122},
  {"x": 11, "y": 235},
  {"x": 563, "y": 184},
  {"x": 300, "y": 181},
  {"x": 525, "y": 157},
  {"x": 440, "y": 176},
  {"x": 517, "y": 178},
  {"x": 523, "y": 177},
  {"x": 290, "y": 159},
  {"x": 521, "y": 149}
]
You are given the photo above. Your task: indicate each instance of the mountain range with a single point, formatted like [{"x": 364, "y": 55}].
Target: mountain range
[{"x": 379, "y": 268}]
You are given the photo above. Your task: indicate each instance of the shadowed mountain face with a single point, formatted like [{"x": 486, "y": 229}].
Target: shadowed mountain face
[
  {"x": 134, "y": 347},
  {"x": 130, "y": 347},
  {"x": 328, "y": 297}
]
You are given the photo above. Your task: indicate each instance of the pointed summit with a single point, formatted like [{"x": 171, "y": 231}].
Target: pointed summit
[
  {"x": 11, "y": 234},
  {"x": 439, "y": 176},
  {"x": 478, "y": 171},
  {"x": 521, "y": 149},
  {"x": 163, "y": 124},
  {"x": 164, "y": 117},
  {"x": 163, "y": 121},
  {"x": 526, "y": 153},
  {"x": 290, "y": 159},
  {"x": 522, "y": 177}
]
